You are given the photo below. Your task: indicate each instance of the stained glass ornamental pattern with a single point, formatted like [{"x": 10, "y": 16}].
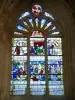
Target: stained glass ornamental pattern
[
  {"x": 41, "y": 60},
  {"x": 36, "y": 34}
]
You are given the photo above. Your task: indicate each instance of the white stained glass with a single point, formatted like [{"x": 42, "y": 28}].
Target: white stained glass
[
  {"x": 25, "y": 23},
  {"x": 24, "y": 15},
  {"x": 31, "y": 21},
  {"x": 19, "y": 58},
  {"x": 37, "y": 21},
  {"x": 18, "y": 33},
  {"x": 48, "y": 25},
  {"x": 56, "y": 32},
  {"x": 49, "y": 15},
  {"x": 37, "y": 58}
]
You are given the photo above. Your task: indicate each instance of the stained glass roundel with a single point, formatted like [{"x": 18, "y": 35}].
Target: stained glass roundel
[{"x": 36, "y": 9}]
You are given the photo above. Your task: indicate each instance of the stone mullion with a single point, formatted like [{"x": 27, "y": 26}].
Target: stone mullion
[{"x": 28, "y": 66}]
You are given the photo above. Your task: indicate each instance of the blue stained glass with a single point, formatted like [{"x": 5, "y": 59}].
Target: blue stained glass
[
  {"x": 20, "y": 27},
  {"x": 31, "y": 22},
  {"x": 49, "y": 15},
  {"x": 38, "y": 91},
  {"x": 43, "y": 21},
  {"x": 55, "y": 60},
  {"x": 24, "y": 15},
  {"x": 56, "y": 92},
  {"x": 48, "y": 25},
  {"x": 55, "y": 77}
]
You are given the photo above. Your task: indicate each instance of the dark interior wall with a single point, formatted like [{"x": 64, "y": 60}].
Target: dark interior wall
[{"x": 9, "y": 13}]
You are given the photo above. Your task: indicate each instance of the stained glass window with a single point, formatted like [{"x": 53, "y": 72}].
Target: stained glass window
[{"x": 37, "y": 56}]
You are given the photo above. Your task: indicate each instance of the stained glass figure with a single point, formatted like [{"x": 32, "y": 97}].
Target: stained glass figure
[
  {"x": 37, "y": 65},
  {"x": 54, "y": 46},
  {"x": 43, "y": 21},
  {"x": 48, "y": 25},
  {"x": 36, "y": 34},
  {"x": 20, "y": 27},
  {"x": 25, "y": 23},
  {"x": 31, "y": 21},
  {"x": 37, "y": 21},
  {"x": 55, "y": 65},
  {"x": 49, "y": 15},
  {"x": 19, "y": 75},
  {"x": 19, "y": 46},
  {"x": 37, "y": 46},
  {"x": 55, "y": 75},
  {"x": 24, "y": 15},
  {"x": 36, "y": 9},
  {"x": 37, "y": 75}
]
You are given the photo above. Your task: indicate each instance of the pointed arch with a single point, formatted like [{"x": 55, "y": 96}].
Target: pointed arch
[{"x": 37, "y": 58}]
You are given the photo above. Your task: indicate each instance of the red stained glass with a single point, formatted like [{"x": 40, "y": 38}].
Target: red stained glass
[{"x": 39, "y": 44}]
